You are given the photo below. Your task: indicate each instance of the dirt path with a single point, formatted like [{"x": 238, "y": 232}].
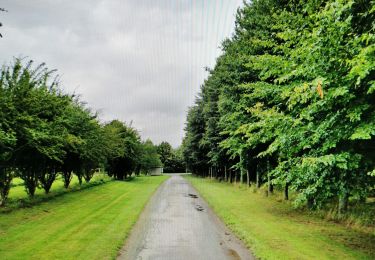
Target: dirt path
[{"x": 178, "y": 224}]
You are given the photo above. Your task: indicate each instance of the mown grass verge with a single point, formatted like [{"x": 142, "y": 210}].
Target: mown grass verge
[
  {"x": 87, "y": 224},
  {"x": 18, "y": 197},
  {"x": 274, "y": 230}
]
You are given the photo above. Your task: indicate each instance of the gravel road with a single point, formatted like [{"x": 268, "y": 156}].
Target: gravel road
[{"x": 178, "y": 224}]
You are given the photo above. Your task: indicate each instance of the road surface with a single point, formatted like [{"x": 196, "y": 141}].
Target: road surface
[{"x": 178, "y": 224}]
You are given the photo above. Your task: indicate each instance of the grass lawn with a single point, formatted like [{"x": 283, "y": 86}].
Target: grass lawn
[
  {"x": 87, "y": 224},
  {"x": 18, "y": 190},
  {"x": 18, "y": 197},
  {"x": 273, "y": 230}
]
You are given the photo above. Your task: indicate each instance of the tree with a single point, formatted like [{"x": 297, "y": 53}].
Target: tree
[
  {"x": 149, "y": 157},
  {"x": 289, "y": 101},
  {"x": 124, "y": 146},
  {"x": 172, "y": 159},
  {"x": 165, "y": 152},
  {"x": 35, "y": 102},
  {"x": 195, "y": 155},
  {"x": 6, "y": 176},
  {"x": 44, "y": 131}
]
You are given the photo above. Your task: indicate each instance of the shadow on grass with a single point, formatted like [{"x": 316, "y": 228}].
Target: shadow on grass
[
  {"x": 14, "y": 204},
  {"x": 131, "y": 178},
  {"x": 135, "y": 178}
]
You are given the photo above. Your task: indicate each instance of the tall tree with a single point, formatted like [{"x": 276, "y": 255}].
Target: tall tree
[
  {"x": 165, "y": 151},
  {"x": 149, "y": 157},
  {"x": 125, "y": 149},
  {"x": 289, "y": 100}
]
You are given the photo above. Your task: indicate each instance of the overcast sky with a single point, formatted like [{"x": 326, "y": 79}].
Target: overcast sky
[{"x": 133, "y": 60}]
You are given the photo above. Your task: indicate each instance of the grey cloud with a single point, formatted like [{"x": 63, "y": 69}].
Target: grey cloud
[{"x": 134, "y": 60}]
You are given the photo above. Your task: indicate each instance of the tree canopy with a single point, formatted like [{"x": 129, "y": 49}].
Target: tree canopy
[
  {"x": 45, "y": 132},
  {"x": 290, "y": 101},
  {"x": 171, "y": 159}
]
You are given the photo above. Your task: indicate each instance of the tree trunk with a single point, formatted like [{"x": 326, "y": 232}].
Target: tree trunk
[
  {"x": 67, "y": 177},
  {"x": 343, "y": 202},
  {"x": 30, "y": 178},
  {"x": 257, "y": 178},
  {"x": 286, "y": 191},
  {"x": 241, "y": 167},
  {"x": 247, "y": 178},
  {"x": 270, "y": 186},
  {"x": 88, "y": 174},
  {"x": 225, "y": 173},
  {"x": 6, "y": 177},
  {"x": 79, "y": 179},
  {"x": 46, "y": 179},
  {"x": 310, "y": 203},
  {"x": 235, "y": 177}
]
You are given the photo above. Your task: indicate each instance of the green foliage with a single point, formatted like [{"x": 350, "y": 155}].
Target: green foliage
[
  {"x": 165, "y": 151},
  {"x": 172, "y": 159},
  {"x": 195, "y": 155},
  {"x": 44, "y": 132},
  {"x": 149, "y": 157},
  {"x": 124, "y": 145},
  {"x": 30, "y": 115},
  {"x": 293, "y": 90}
]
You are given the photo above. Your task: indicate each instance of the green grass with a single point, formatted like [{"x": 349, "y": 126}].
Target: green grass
[
  {"x": 18, "y": 197},
  {"x": 18, "y": 190},
  {"x": 91, "y": 223},
  {"x": 274, "y": 230}
]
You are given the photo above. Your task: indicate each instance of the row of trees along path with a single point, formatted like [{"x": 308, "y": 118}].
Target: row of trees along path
[
  {"x": 290, "y": 102},
  {"x": 45, "y": 132}
]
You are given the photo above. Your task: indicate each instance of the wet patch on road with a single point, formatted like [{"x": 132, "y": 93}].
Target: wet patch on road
[
  {"x": 199, "y": 207},
  {"x": 192, "y": 196},
  {"x": 233, "y": 254}
]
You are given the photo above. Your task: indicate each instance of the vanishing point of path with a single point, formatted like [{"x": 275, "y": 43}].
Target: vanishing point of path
[{"x": 178, "y": 224}]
